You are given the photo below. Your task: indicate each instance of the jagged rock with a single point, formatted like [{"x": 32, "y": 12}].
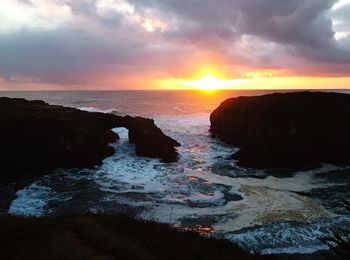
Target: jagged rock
[
  {"x": 286, "y": 130},
  {"x": 37, "y": 137},
  {"x": 150, "y": 140}
]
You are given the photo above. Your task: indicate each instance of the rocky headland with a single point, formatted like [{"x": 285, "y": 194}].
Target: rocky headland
[
  {"x": 301, "y": 129},
  {"x": 37, "y": 138}
]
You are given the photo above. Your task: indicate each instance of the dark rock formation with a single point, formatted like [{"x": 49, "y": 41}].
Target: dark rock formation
[
  {"x": 150, "y": 140},
  {"x": 286, "y": 130},
  {"x": 37, "y": 137}
]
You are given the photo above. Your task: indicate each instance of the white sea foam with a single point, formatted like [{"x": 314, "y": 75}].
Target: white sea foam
[
  {"x": 93, "y": 109},
  {"x": 202, "y": 185},
  {"x": 122, "y": 132},
  {"x": 288, "y": 237},
  {"x": 31, "y": 201}
]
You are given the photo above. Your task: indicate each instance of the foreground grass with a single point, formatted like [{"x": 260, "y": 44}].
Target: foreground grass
[{"x": 106, "y": 237}]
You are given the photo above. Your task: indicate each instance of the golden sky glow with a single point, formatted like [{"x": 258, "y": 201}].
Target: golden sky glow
[
  {"x": 212, "y": 83},
  {"x": 208, "y": 84}
]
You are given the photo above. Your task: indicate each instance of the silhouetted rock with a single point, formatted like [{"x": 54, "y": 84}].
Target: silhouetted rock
[
  {"x": 150, "y": 140},
  {"x": 37, "y": 137},
  {"x": 286, "y": 130}
]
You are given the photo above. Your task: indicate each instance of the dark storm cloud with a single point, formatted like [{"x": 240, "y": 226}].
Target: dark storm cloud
[
  {"x": 71, "y": 56},
  {"x": 303, "y": 25},
  {"x": 50, "y": 54},
  {"x": 295, "y": 35}
]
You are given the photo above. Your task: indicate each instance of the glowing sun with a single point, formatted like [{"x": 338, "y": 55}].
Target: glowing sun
[{"x": 209, "y": 82}]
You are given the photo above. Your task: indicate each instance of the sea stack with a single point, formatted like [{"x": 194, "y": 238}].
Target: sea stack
[{"x": 298, "y": 129}]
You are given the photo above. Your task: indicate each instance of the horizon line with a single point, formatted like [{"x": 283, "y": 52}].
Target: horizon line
[{"x": 150, "y": 90}]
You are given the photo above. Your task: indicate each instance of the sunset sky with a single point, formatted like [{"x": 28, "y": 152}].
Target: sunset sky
[{"x": 174, "y": 44}]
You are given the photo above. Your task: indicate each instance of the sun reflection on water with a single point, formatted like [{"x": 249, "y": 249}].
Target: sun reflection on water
[{"x": 200, "y": 229}]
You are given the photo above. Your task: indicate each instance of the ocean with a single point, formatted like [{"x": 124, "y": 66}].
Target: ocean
[{"x": 263, "y": 211}]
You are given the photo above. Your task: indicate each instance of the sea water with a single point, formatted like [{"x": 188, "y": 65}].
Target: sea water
[{"x": 205, "y": 191}]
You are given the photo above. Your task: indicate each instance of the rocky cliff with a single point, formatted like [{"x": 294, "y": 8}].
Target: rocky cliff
[
  {"x": 36, "y": 137},
  {"x": 286, "y": 130}
]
